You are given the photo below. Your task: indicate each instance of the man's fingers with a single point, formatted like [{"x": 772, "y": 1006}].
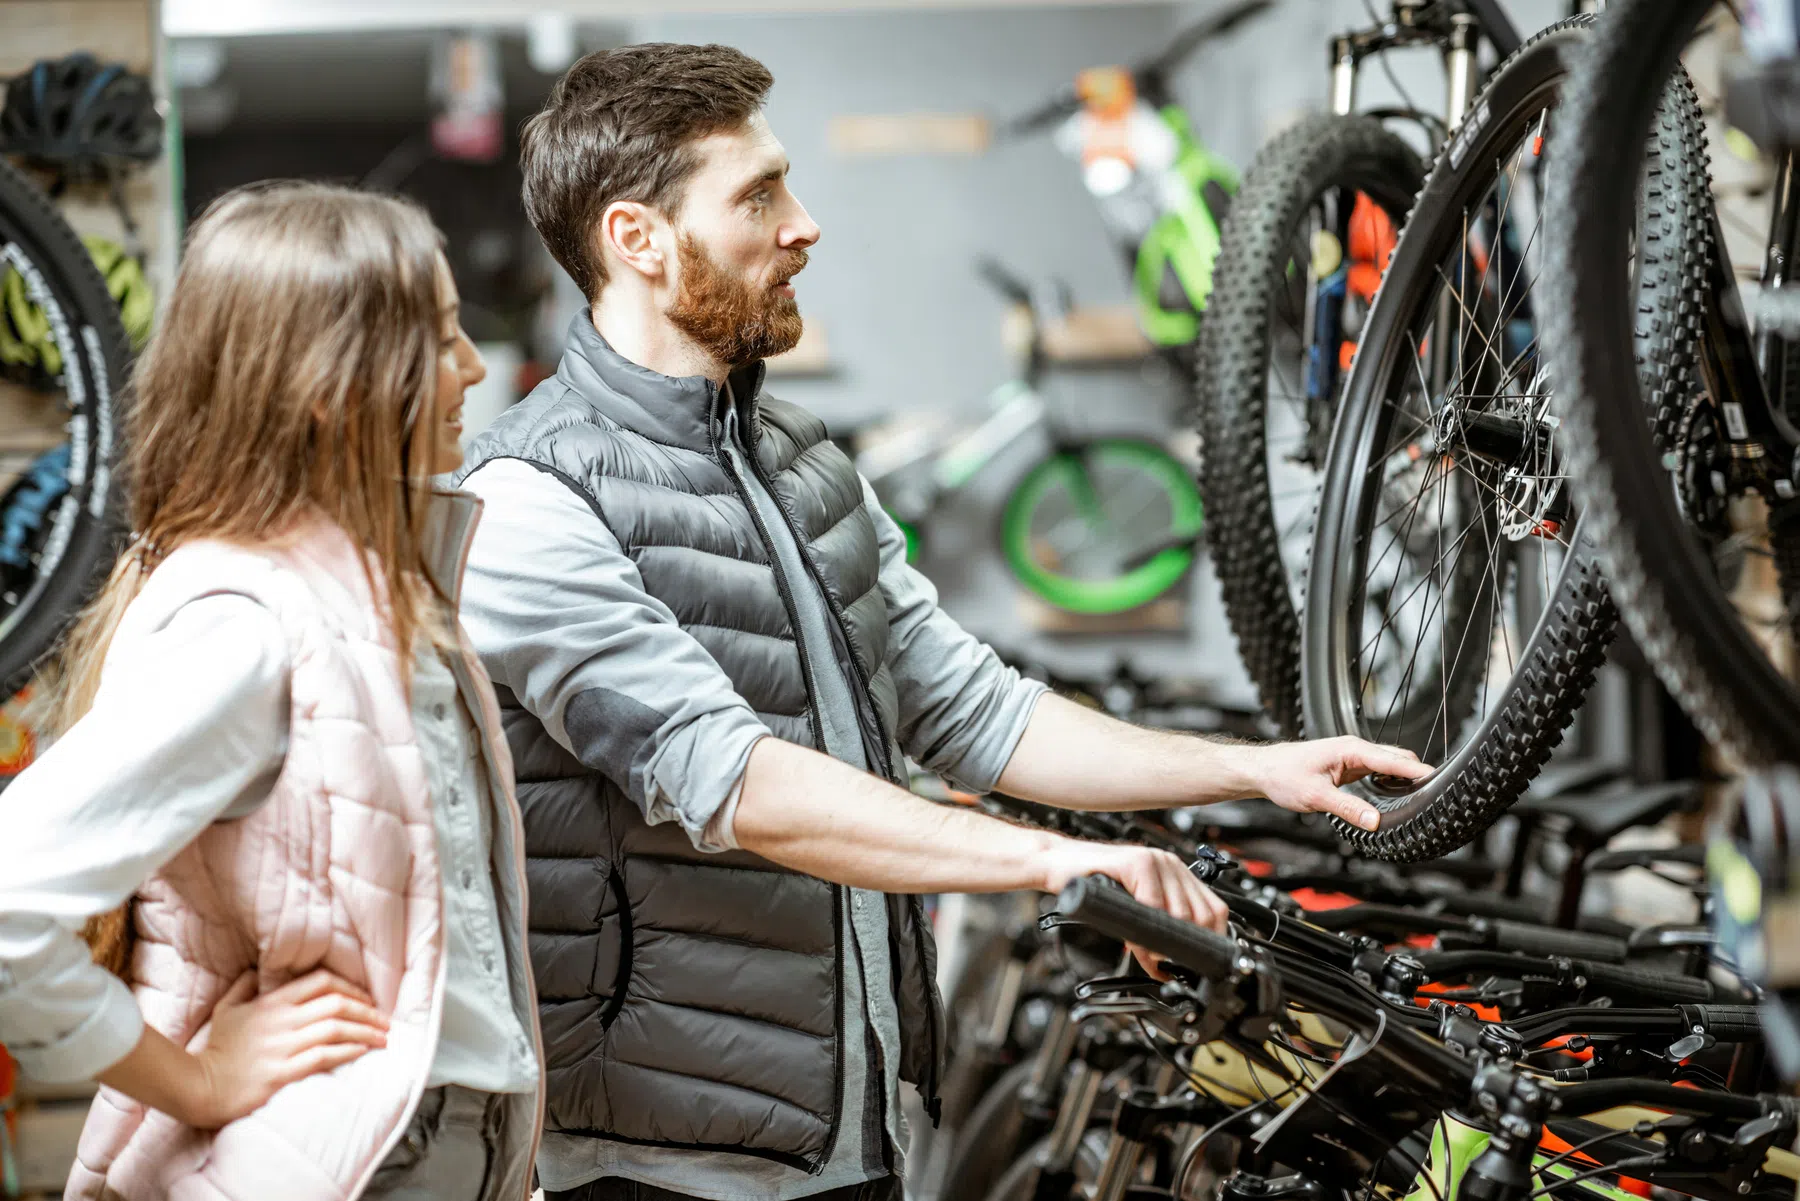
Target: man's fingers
[
  {"x": 1148, "y": 961},
  {"x": 1373, "y": 759},
  {"x": 1212, "y": 912},
  {"x": 1146, "y": 887},
  {"x": 1175, "y": 880},
  {"x": 1352, "y": 809}
]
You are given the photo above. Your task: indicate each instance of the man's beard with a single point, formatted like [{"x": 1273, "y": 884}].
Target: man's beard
[{"x": 729, "y": 317}]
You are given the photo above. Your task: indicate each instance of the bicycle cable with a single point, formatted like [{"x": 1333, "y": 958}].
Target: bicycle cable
[
  {"x": 1387, "y": 67},
  {"x": 1634, "y": 1161}
]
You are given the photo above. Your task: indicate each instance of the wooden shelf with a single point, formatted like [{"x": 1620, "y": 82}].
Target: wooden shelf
[
  {"x": 1164, "y": 615},
  {"x": 1084, "y": 335},
  {"x": 895, "y": 134}
]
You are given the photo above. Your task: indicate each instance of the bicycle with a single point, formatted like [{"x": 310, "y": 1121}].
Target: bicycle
[
  {"x": 1432, "y": 1102},
  {"x": 1303, "y": 256},
  {"x": 1339, "y": 911},
  {"x": 1162, "y": 194},
  {"x": 1095, "y": 526},
  {"x": 1455, "y": 600},
  {"x": 1704, "y": 496}
]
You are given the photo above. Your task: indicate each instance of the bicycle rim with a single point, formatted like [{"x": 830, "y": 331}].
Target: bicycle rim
[{"x": 1076, "y": 521}]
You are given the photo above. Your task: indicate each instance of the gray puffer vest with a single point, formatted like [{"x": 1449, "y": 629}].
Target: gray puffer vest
[{"x": 691, "y": 999}]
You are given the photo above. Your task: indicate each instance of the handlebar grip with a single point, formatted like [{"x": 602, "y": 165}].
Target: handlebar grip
[
  {"x": 1728, "y": 1023},
  {"x": 1099, "y": 901},
  {"x": 1547, "y": 940},
  {"x": 1641, "y": 982}
]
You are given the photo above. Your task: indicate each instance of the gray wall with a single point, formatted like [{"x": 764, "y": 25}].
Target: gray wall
[{"x": 892, "y": 282}]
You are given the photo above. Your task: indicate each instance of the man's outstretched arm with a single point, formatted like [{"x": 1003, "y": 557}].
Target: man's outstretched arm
[
  {"x": 813, "y": 814},
  {"x": 1075, "y": 758}
]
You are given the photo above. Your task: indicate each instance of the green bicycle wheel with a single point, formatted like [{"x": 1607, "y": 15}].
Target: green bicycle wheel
[{"x": 1103, "y": 527}]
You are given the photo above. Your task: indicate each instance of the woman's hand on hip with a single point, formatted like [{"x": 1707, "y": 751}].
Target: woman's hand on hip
[{"x": 258, "y": 1044}]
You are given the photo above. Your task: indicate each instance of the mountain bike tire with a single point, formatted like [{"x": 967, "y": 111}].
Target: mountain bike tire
[
  {"x": 1233, "y": 390},
  {"x": 1509, "y": 743},
  {"x": 1668, "y": 591},
  {"x": 1072, "y": 473},
  {"x": 80, "y": 534}
]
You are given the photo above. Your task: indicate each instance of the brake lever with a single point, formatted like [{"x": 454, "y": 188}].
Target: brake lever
[
  {"x": 1143, "y": 1007},
  {"x": 1117, "y": 985}
]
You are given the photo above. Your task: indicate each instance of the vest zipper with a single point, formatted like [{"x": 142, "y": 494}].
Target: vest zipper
[
  {"x": 933, "y": 1102},
  {"x": 837, "y": 891}
]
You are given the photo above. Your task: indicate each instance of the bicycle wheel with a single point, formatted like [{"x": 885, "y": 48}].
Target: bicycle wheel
[
  {"x": 1709, "y": 652},
  {"x": 1284, "y": 302},
  {"x": 995, "y": 1132},
  {"x": 60, "y": 514},
  {"x": 1102, "y": 527},
  {"x": 1451, "y": 560}
]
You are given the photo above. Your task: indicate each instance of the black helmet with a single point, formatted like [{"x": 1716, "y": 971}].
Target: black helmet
[{"x": 81, "y": 113}]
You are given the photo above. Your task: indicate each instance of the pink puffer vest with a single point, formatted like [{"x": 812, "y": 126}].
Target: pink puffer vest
[{"x": 339, "y": 869}]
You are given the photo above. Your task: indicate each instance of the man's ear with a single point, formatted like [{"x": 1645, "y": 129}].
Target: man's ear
[{"x": 629, "y": 235}]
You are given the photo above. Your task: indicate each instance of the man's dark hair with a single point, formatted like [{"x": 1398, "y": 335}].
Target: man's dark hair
[{"x": 621, "y": 125}]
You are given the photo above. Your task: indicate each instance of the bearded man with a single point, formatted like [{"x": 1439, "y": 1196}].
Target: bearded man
[{"x": 712, "y": 659}]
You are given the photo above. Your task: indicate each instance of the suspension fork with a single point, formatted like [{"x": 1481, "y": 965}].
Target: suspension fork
[
  {"x": 1038, "y": 1093},
  {"x": 1125, "y": 1147},
  {"x": 1344, "y": 63},
  {"x": 1461, "y": 71},
  {"x": 1056, "y": 1161}
]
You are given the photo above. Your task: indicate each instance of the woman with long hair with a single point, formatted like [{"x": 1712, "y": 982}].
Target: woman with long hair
[{"x": 280, "y": 804}]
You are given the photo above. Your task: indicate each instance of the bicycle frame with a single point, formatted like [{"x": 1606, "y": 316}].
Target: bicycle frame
[{"x": 1745, "y": 372}]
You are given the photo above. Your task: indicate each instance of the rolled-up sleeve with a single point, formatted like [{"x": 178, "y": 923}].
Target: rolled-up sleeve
[
  {"x": 189, "y": 726},
  {"x": 561, "y": 617},
  {"x": 962, "y": 710}
]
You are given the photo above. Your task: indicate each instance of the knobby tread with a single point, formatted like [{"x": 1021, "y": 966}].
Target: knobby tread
[
  {"x": 1231, "y": 383},
  {"x": 1679, "y": 617},
  {"x": 95, "y": 537},
  {"x": 1558, "y": 664}
]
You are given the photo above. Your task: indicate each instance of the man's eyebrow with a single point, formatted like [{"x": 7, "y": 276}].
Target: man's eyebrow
[{"x": 774, "y": 172}]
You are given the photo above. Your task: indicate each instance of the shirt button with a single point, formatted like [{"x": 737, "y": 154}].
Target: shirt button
[
  {"x": 488, "y": 962},
  {"x": 438, "y": 711},
  {"x": 468, "y": 878}
]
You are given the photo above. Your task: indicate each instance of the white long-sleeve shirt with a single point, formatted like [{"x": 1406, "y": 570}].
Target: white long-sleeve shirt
[{"x": 190, "y": 727}]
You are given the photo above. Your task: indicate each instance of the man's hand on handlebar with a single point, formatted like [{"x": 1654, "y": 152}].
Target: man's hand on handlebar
[{"x": 1154, "y": 878}]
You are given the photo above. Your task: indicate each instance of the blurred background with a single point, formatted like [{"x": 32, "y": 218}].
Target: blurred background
[
  {"x": 895, "y": 117},
  {"x": 976, "y": 308}
]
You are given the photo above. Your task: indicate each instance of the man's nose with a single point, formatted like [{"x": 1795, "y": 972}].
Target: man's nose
[{"x": 799, "y": 231}]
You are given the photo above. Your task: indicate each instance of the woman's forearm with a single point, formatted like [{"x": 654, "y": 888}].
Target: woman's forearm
[{"x": 161, "y": 1075}]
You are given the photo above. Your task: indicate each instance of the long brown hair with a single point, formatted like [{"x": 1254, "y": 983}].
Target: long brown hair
[{"x": 290, "y": 365}]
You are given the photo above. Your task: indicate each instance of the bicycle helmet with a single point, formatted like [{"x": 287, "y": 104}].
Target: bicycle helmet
[{"x": 80, "y": 113}]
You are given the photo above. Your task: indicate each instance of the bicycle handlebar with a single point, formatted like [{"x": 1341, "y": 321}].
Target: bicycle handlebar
[
  {"x": 1148, "y": 75},
  {"x": 1418, "y": 1062},
  {"x": 1100, "y": 902},
  {"x": 1548, "y": 940},
  {"x": 1191, "y": 38}
]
